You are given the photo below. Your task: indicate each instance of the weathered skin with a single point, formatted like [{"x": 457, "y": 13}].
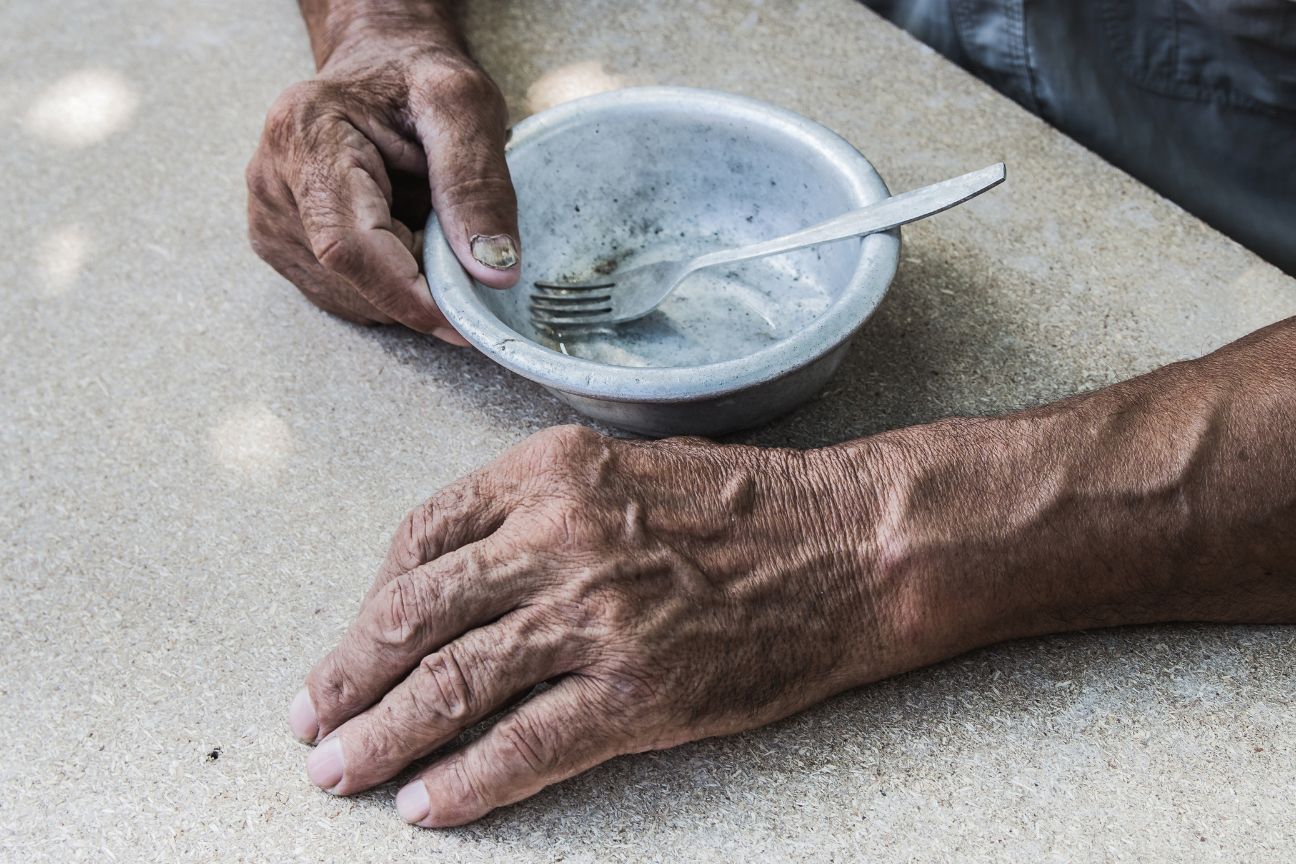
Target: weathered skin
[
  {"x": 642, "y": 574},
  {"x": 398, "y": 116},
  {"x": 667, "y": 591},
  {"x": 679, "y": 589}
]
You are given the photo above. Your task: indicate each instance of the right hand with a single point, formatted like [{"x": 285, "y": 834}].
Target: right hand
[{"x": 348, "y": 165}]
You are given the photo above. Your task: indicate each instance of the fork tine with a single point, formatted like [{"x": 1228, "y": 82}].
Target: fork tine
[
  {"x": 570, "y": 312},
  {"x": 571, "y": 286},
  {"x": 561, "y": 306},
  {"x": 570, "y": 299},
  {"x": 584, "y": 312},
  {"x": 546, "y": 318},
  {"x": 562, "y": 325}
]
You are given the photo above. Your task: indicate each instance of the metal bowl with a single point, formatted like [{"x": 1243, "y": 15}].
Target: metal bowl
[{"x": 613, "y": 176}]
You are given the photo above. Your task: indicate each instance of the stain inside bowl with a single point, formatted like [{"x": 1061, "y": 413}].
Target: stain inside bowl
[
  {"x": 626, "y": 187},
  {"x": 716, "y": 314}
]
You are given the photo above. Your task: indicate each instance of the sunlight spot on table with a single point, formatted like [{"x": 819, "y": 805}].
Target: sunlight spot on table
[
  {"x": 82, "y": 108},
  {"x": 251, "y": 443},
  {"x": 60, "y": 257},
  {"x": 569, "y": 82}
]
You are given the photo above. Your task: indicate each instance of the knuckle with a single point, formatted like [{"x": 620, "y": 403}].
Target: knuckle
[
  {"x": 459, "y": 84},
  {"x": 402, "y": 615},
  {"x": 475, "y": 565},
  {"x": 449, "y": 695},
  {"x": 423, "y": 533},
  {"x": 291, "y": 111},
  {"x": 333, "y": 689},
  {"x": 432, "y": 513},
  {"x": 283, "y": 116},
  {"x": 336, "y": 249},
  {"x": 523, "y": 742},
  {"x": 475, "y": 85},
  {"x": 409, "y": 542},
  {"x": 477, "y": 190}
]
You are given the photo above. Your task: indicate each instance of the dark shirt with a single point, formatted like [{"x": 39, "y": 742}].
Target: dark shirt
[{"x": 1196, "y": 98}]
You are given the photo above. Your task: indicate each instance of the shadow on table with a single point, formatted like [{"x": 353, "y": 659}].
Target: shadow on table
[
  {"x": 468, "y": 380},
  {"x": 945, "y": 341}
]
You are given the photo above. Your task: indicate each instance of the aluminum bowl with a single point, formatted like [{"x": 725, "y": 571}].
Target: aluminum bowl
[{"x": 608, "y": 175}]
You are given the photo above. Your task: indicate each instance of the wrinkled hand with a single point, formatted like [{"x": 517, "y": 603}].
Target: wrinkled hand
[
  {"x": 345, "y": 168},
  {"x": 668, "y": 591}
]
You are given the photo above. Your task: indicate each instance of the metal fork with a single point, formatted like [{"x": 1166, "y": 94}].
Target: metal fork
[{"x": 633, "y": 293}]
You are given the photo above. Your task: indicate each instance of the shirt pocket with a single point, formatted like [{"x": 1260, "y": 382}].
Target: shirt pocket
[{"x": 1238, "y": 52}]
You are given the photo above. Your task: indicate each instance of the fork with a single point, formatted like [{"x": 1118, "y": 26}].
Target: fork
[{"x": 633, "y": 293}]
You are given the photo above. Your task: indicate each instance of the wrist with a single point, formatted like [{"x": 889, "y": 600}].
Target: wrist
[
  {"x": 981, "y": 530},
  {"x": 946, "y": 541},
  {"x": 343, "y": 30},
  {"x": 888, "y": 617},
  {"x": 1163, "y": 498}
]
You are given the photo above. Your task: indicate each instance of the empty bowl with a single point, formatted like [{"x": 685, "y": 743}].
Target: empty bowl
[{"x": 643, "y": 174}]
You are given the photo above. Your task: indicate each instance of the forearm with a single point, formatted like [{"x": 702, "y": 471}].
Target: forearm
[
  {"x": 336, "y": 25},
  {"x": 1168, "y": 497}
]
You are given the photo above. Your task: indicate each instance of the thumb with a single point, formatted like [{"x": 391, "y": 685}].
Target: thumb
[{"x": 463, "y": 129}]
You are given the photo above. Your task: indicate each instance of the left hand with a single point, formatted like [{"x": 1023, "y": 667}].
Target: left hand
[{"x": 668, "y": 591}]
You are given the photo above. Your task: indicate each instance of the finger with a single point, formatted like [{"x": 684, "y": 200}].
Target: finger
[
  {"x": 344, "y": 304},
  {"x": 413, "y": 241},
  {"x": 450, "y": 690},
  {"x": 405, "y": 236},
  {"x": 545, "y": 740},
  {"x": 342, "y": 196},
  {"x": 412, "y": 616},
  {"x": 470, "y": 509},
  {"x": 463, "y": 126},
  {"x": 327, "y": 291},
  {"x": 275, "y": 232}
]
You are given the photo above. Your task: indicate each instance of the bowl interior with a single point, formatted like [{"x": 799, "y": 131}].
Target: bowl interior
[{"x": 631, "y": 184}]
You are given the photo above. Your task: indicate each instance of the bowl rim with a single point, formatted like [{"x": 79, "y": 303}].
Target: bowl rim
[{"x": 879, "y": 256}]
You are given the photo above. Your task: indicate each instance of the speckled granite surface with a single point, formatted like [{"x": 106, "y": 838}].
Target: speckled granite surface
[{"x": 199, "y": 469}]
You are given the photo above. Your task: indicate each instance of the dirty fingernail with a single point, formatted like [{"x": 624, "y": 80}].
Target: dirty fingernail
[
  {"x": 412, "y": 802},
  {"x": 324, "y": 766},
  {"x": 301, "y": 717},
  {"x": 496, "y": 251}
]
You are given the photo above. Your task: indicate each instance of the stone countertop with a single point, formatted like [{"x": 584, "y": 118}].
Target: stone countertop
[{"x": 200, "y": 469}]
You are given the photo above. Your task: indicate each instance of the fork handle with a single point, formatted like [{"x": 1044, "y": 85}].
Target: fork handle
[{"x": 881, "y": 216}]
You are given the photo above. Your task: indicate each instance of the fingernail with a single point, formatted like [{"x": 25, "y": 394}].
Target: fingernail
[
  {"x": 412, "y": 802},
  {"x": 301, "y": 717},
  {"x": 324, "y": 766},
  {"x": 447, "y": 334},
  {"x": 495, "y": 250}
]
